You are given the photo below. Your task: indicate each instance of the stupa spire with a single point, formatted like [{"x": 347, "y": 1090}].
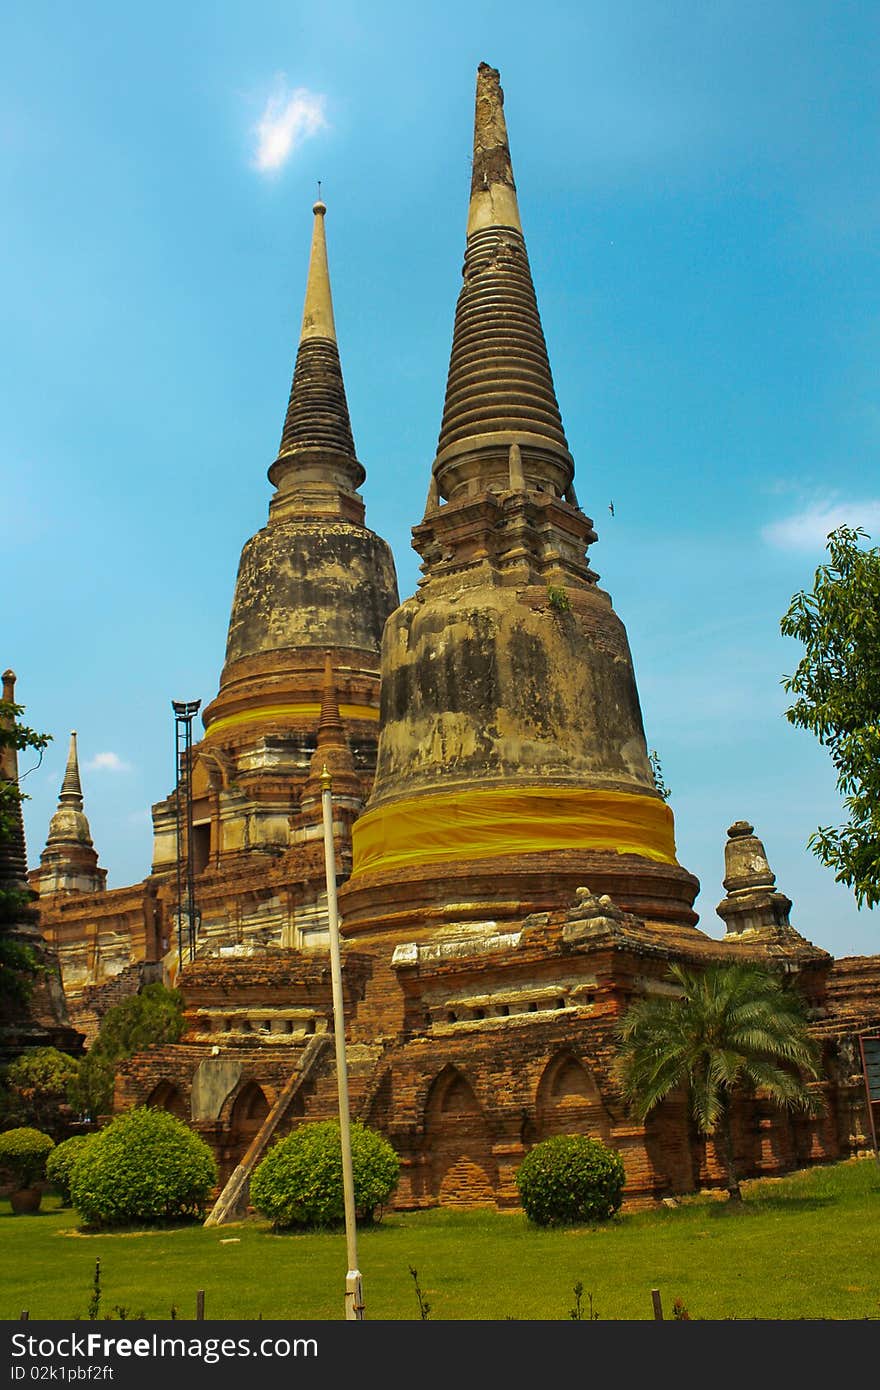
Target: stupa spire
[
  {"x": 499, "y": 389},
  {"x": 331, "y": 729},
  {"x": 317, "y": 472},
  {"x": 71, "y": 789},
  {"x": 332, "y": 756}
]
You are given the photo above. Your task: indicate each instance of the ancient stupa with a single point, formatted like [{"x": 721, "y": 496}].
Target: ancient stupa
[
  {"x": 512, "y": 762},
  {"x": 313, "y": 591}
]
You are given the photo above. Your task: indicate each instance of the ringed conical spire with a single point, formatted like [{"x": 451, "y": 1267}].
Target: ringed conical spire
[
  {"x": 71, "y": 788},
  {"x": 332, "y": 750},
  {"x": 317, "y": 471},
  {"x": 499, "y": 389}
]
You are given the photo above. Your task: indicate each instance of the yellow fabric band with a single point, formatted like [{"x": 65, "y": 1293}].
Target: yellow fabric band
[
  {"x": 311, "y": 711},
  {"x": 522, "y": 820}
]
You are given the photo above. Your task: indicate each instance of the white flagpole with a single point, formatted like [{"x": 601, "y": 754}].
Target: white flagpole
[{"x": 354, "y": 1293}]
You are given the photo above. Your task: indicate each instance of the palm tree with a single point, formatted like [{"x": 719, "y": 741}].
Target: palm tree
[{"x": 732, "y": 1025}]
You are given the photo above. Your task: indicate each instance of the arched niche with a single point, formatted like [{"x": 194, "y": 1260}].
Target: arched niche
[
  {"x": 463, "y": 1169},
  {"x": 381, "y": 1108},
  {"x": 167, "y": 1096},
  {"x": 568, "y": 1101},
  {"x": 246, "y": 1116}
]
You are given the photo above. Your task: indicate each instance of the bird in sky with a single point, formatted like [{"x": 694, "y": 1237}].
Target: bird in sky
[{"x": 611, "y": 508}]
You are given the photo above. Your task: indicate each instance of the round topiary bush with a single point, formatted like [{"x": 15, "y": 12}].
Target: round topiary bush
[
  {"x": 23, "y": 1154},
  {"x": 299, "y": 1182},
  {"x": 59, "y": 1164},
  {"x": 570, "y": 1179},
  {"x": 144, "y": 1167}
]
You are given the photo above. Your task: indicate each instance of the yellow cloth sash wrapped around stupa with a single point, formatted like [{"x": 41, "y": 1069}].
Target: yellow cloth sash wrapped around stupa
[{"x": 477, "y": 824}]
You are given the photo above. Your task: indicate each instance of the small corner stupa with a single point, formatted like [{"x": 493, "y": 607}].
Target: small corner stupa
[
  {"x": 69, "y": 862},
  {"x": 753, "y": 910}
]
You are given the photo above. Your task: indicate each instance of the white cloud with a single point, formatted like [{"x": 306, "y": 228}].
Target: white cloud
[
  {"x": 288, "y": 120},
  {"x": 107, "y": 762},
  {"x": 808, "y": 529}
]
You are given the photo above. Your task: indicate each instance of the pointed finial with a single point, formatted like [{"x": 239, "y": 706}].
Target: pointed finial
[
  {"x": 318, "y": 319},
  {"x": 493, "y": 191},
  {"x": 71, "y": 789},
  {"x": 326, "y": 779}
]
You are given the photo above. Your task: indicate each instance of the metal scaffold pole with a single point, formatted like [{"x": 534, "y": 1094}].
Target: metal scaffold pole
[
  {"x": 184, "y": 711},
  {"x": 354, "y": 1292}
]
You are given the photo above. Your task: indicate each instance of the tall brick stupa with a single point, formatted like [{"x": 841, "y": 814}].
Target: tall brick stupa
[
  {"x": 313, "y": 591},
  {"x": 512, "y": 761}
]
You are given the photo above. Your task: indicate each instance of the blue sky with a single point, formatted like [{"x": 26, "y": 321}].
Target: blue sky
[{"x": 698, "y": 189}]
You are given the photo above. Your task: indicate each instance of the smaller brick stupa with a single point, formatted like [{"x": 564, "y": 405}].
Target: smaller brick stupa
[
  {"x": 69, "y": 863},
  {"x": 314, "y": 588}
]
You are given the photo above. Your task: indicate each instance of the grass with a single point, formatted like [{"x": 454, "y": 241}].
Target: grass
[{"x": 799, "y": 1247}]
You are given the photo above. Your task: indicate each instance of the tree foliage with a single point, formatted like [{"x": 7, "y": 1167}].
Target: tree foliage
[
  {"x": 733, "y": 1027},
  {"x": 837, "y": 689},
  {"x": 570, "y": 1179},
  {"x": 153, "y": 1016},
  {"x": 19, "y": 963},
  {"x": 299, "y": 1182},
  {"x": 36, "y": 1086},
  {"x": 14, "y": 734}
]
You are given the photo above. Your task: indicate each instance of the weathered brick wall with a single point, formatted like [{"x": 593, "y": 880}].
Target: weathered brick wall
[{"x": 463, "y": 1089}]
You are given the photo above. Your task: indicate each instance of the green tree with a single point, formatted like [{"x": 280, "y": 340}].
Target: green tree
[
  {"x": 837, "y": 685},
  {"x": 36, "y": 1086},
  {"x": 153, "y": 1016},
  {"x": 732, "y": 1028}
]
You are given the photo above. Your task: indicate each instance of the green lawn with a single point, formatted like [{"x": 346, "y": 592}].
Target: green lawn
[{"x": 802, "y": 1247}]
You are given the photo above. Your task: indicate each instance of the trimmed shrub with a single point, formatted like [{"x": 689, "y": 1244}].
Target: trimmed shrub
[
  {"x": 299, "y": 1182},
  {"x": 570, "y": 1179},
  {"x": 144, "y": 1167},
  {"x": 59, "y": 1164},
  {"x": 23, "y": 1152}
]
